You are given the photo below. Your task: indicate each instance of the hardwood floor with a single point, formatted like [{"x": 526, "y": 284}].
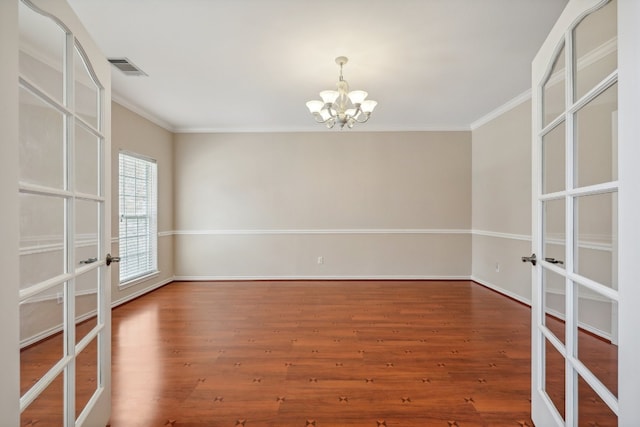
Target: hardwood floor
[{"x": 316, "y": 354}]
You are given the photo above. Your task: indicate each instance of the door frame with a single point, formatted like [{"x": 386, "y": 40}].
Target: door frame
[
  {"x": 10, "y": 224},
  {"x": 628, "y": 209}
]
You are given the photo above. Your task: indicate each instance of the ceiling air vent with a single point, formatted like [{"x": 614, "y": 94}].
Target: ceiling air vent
[{"x": 126, "y": 66}]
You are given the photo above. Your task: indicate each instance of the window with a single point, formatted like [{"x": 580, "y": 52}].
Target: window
[{"x": 138, "y": 217}]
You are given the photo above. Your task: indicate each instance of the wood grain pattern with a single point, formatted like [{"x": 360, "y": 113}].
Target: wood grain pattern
[{"x": 352, "y": 354}]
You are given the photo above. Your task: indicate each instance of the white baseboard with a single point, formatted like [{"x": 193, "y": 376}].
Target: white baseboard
[
  {"x": 141, "y": 292},
  {"x": 595, "y": 331},
  {"x": 502, "y": 291},
  {"x": 52, "y": 331},
  {"x": 346, "y": 277},
  {"x": 58, "y": 328}
]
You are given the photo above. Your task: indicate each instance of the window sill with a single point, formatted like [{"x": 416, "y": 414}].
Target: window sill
[{"x": 138, "y": 280}]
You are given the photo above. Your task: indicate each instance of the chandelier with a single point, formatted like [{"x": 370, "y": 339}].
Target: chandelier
[{"x": 342, "y": 106}]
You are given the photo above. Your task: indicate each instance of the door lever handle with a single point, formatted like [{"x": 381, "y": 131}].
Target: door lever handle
[
  {"x": 111, "y": 259},
  {"x": 554, "y": 261},
  {"x": 532, "y": 259},
  {"x": 89, "y": 261}
]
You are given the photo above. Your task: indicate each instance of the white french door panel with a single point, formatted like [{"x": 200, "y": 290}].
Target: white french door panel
[
  {"x": 583, "y": 188},
  {"x": 64, "y": 201}
]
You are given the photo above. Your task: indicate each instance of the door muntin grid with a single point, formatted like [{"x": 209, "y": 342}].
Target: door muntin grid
[
  {"x": 579, "y": 289},
  {"x": 55, "y": 73}
]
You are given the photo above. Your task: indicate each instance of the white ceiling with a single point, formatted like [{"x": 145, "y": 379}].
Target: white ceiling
[{"x": 250, "y": 65}]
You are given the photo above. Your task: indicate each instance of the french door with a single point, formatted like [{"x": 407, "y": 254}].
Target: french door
[
  {"x": 64, "y": 203},
  {"x": 577, "y": 199}
]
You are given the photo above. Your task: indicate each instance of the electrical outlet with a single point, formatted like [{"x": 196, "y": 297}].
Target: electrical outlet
[
  {"x": 320, "y": 260},
  {"x": 497, "y": 267}
]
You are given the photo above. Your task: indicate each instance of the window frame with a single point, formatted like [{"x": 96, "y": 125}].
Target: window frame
[{"x": 151, "y": 213}]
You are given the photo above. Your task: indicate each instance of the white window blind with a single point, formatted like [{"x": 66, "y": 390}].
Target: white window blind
[{"x": 138, "y": 217}]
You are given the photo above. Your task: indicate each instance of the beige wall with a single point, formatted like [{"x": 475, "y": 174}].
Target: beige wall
[
  {"x": 502, "y": 173},
  {"x": 372, "y": 205},
  {"x": 501, "y": 218},
  {"x": 131, "y": 133},
  {"x": 391, "y": 204},
  {"x": 134, "y": 134}
]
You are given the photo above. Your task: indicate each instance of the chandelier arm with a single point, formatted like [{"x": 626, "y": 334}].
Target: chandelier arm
[
  {"x": 329, "y": 108},
  {"x": 366, "y": 118},
  {"x": 366, "y": 115},
  {"x": 318, "y": 118}
]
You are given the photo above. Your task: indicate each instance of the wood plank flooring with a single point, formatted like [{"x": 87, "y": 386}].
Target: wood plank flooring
[{"x": 319, "y": 354}]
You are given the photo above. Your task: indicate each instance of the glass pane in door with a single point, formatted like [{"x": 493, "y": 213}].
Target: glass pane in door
[
  {"x": 41, "y": 56},
  {"x": 592, "y": 410},
  {"x": 595, "y": 48},
  {"x": 554, "y": 234},
  {"x": 595, "y": 238},
  {"x": 86, "y": 375},
  {"x": 48, "y": 408},
  {"x": 41, "y": 238},
  {"x": 87, "y": 229},
  {"x": 597, "y": 318},
  {"x": 553, "y": 90},
  {"x": 553, "y": 153},
  {"x": 596, "y": 148},
  {"x": 41, "y": 142},
  {"x": 86, "y": 302},
  {"x": 86, "y": 91},
  {"x": 554, "y": 377},
  {"x": 88, "y": 147},
  {"x": 554, "y": 303},
  {"x": 41, "y": 337}
]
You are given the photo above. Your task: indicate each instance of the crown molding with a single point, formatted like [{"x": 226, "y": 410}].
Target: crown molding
[
  {"x": 320, "y": 129},
  {"x": 141, "y": 112},
  {"x": 508, "y": 106},
  {"x": 591, "y": 57},
  {"x": 595, "y": 55}
]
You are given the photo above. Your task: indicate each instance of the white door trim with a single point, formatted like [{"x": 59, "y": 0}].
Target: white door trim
[
  {"x": 10, "y": 224},
  {"x": 628, "y": 208}
]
